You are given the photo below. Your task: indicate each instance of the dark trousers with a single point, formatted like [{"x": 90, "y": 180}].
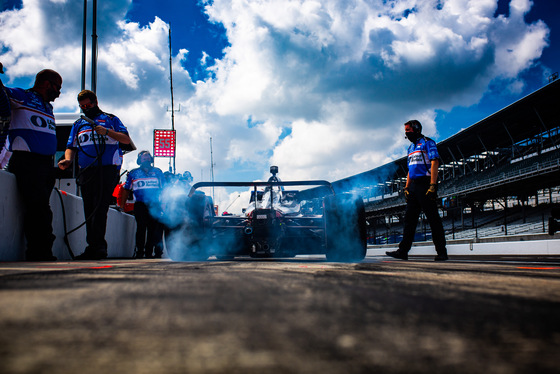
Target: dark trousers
[
  {"x": 97, "y": 184},
  {"x": 35, "y": 182},
  {"x": 148, "y": 231},
  {"x": 417, "y": 202}
]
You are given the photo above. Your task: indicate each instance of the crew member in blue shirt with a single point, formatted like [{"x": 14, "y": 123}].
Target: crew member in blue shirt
[
  {"x": 421, "y": 192},
  {"x": 99, "y": 159},
  {"x": 146, "y": 183},
  {"x": 32, "y": 136}
]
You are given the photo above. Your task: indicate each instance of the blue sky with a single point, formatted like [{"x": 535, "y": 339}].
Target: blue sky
[
  {"x": 497, "y": 96},
  {"x": 190, "y": 29},
  {"x": 319, "y": 88}
]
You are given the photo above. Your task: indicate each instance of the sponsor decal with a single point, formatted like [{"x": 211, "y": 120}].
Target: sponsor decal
[
  {"x": 42, "y": 122},
  {"x": 146, "y": 183}
]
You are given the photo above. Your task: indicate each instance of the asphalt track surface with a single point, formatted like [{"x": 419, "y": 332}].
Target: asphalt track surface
[{"x": 302, "y": 315}]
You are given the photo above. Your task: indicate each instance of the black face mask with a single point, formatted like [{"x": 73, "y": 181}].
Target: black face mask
[
  {"x": 412, "y": 136},
  {"x": 92, "y": 112}
]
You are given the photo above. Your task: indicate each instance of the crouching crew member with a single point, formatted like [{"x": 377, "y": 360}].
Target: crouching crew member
[
  {"x": 32, "y": 139},
  {"x": 421, "y": 192},
  {"x": 99, "y": 158},
  {"x": 146, "y": 183}
]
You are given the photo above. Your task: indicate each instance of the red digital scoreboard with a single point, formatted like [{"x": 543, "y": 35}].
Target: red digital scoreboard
[{"x": 164, "y": 143}]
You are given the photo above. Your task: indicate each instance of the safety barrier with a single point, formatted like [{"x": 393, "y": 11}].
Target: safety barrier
[
  {"x": 501, "y": 246},
  {"x": 120, "y": 236}
]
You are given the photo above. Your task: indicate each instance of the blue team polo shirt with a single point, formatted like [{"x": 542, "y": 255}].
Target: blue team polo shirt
[
  {"x": 145, "y": 185},
  {"x": 32, "y": 126},
  {"x": 89, "y": 143},
  {"x": 420, "y": 155}
]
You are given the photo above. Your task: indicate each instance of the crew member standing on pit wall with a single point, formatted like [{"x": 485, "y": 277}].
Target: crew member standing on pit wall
[
  {"x": 99, "y": 158},
  {"x": 146, "y": 183},
  {"x": 421, "y": 192},
  {"x": 32, "y": 137}
]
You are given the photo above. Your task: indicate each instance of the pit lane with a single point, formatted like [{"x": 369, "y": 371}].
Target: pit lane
[{"x": 494, "y": 314}]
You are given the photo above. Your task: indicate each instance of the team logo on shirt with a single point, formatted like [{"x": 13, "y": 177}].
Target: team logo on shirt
[
  {"x": 417, "y": 157},
  {"x": 146, "y": 183},
  {"x": 90, "y": 137},
  {"x": 42, "y": 122}
]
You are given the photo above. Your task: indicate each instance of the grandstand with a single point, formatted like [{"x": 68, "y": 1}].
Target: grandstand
[{"x": 498, "y": 177}]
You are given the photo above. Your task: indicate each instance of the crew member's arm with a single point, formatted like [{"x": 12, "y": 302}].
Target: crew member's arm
[
  {"x": 406, "y": 193},
  {"x": 124, "y": 197},
  {"x": 432, "y": 191},
  {"x": 434, "y": 171},
  {"x": 119, "y": 136},
  {"x": 69, "y": 155}
]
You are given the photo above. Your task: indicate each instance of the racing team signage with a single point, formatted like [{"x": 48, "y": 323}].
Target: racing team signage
[{"x": 164, "y": 143}]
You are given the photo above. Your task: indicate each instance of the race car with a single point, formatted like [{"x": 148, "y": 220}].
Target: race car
[{"x": 279, "y": 221}]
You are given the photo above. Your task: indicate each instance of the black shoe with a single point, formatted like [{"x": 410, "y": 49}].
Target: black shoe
[
  {"x": 32, "y": 257},
  {"x": 398, "y": 254},
  {"x": 443, "y": 257},
  {"x": 138, "y": 255},
  {"x": 92, "y": 255}
]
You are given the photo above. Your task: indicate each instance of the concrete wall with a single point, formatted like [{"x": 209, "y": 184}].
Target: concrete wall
[
  {"x": 546, "y": 246},
  {"x": 121, "y": 227}
]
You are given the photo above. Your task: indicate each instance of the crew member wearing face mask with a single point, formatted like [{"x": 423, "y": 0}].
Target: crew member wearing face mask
[
  {"x": 99, "y": 158},
  {"x": 421, "y": 192},
  {"x": 146, "y": 183}
]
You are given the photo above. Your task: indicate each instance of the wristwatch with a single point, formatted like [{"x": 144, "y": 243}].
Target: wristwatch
[{"x": 106, "y": 132}]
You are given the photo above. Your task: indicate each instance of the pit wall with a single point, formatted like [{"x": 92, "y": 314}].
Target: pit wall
[
  {"x": 120, "y": 236},
  {"x": 537, "y": 245}
]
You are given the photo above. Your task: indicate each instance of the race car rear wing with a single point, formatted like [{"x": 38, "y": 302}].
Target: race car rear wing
[{"x": 325, "y": 186}]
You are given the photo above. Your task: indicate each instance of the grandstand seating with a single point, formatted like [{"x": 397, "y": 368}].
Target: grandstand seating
[{"x": 508, "y": 158}]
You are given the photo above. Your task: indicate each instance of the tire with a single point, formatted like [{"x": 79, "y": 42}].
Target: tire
[
  {"x": 192, "y": 240},
  {"x": 345, "y": 228}
]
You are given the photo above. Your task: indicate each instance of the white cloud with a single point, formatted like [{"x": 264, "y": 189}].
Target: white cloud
[
  {"x": 377, "y": 64},
  {"x": 327, "y": 83}
]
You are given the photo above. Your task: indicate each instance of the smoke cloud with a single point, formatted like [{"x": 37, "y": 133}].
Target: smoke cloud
[{"x": 277, "y": 222}]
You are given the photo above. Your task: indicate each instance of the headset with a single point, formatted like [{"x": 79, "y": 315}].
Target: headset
[
  {"x": 139, "y": 158},
  {"x": 416, "y": 125}
]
